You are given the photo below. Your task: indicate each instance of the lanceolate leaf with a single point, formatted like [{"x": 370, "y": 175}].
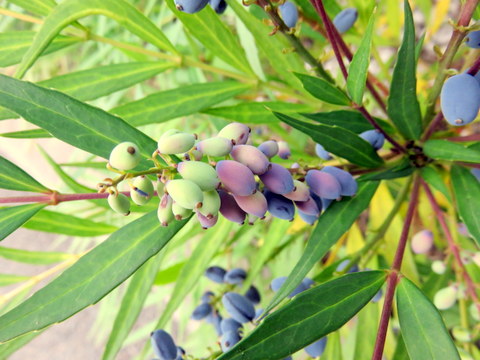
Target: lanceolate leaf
[
  {"x": 330, "y": 227},
  {"x": 433, "y": 177},
  {"x": 423, "y": 330},
  {"x": 308, "y": 317},
  {"x": 7, "y": 349},
  {"x": 132, "y": 303},
  {"x": 9, "y": 279},
  {"x": 351, "y": 120},
  {"x": 446, "y": 150},
  {"x": 55, "y": 222},
  {"x": 323, "y": 90},
  {"x": 39, "y": 7},
  {"x": 11, "y": 218},
  {"x": 403, "y": 107},
  {"x": 256, "y": 112},
  {"x": 91, "y": 278},
  {"x": 185, "y": 100},
  {"x": 338, "y": 141},
  {"x": 70, "y": 120},
  {"x": 71, "y": 10},
  {"x": 211, "y": 31},
  {"x": 27, "y": 134},
  {"x": 401, "y": 169},
  {"x": 33, "y": 257},
  {"x": 467, "y": 192},
  {"x": 14, "y": 178},
  {"x": 358, "y": 69}
]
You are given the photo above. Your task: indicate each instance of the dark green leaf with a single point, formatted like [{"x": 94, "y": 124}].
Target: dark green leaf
[
  {"x": 256, "y": 112},
  {"x": 351, "y": 120},
  {"x": 132, "y": 304},
  {"x": 432, "y": 176},
  {"x": 91, "y": 278},
  {"x": 447, "y": 150},
  {"x": 323, "y": 90},
  {"x": 403, "y": 107},
  {"x": 27, "y": 134},
  {"x": 367, "y": 328},
  {"x": 58, "y": 223},
  {"x": 423, "y": 330},
  {"x": 11, "y": 218},
  {"x": 308, "y": 317},
  {"x": 14, "y": 178},
  {"x": 338, "y": 141},
  {"x": 185, "y": 100},
  {"x": 330, "y": 227},
  {"x": 212, "y": 32},
  {"x": 402, "y": 169},
  {"x": 467, "y": 192},
  {"x": 358, "y": 69},
  {"x": 70, "y": 120},
  {"x": 419, "y": 46},
  {"x": 71, "y": 10},
  {"x": 33, "y": 257}
]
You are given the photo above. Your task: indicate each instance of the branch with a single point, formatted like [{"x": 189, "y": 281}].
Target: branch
[
  {"x": 432, "y": 126},
  {"x": 393, "y": 276},
  {"x": 55, "y": 198}
]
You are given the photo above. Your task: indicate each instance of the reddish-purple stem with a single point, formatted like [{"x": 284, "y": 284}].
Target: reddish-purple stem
[
  {"x": 432, "y": 126},
  {"x": 451, "y": 244},
  {"x": 393, "y": 275},
  {"x": 475, "y": 67},
  {"x": 54, "y": 198},
  {"x": 473, "y": 137}
]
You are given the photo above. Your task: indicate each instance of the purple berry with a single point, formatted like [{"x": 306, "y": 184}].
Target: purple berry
[
  {"x": 473, "y": 39},
  {"x": 239, "y": 307},
  {"x": 374, "y": 137},
  {"x": 308, "y": 207},
  {"x": 207, "y": 297},
  {"x": 255, "y": 204},
  {"x": 277, "y": 283},
  {"x": 345, "y": 19},
  {"x": 476, "y": 173},
  {"x": 278, "y": 180},
  {"x": 205, "y": 221},
  {"x": 301, "y": 192},
  {"x": 236, "y": 177},
  {"x": 235, "y": 276},
  {"x": 251, "y": 157},
  {"x": 229, "y": 339},
  {"x": 190, "y": 6},
  {"x": 269, "y": 148},
  {"x": 230, "y": 325},
  {"x": 219, "y": 6},
  {"x": 230, "y": 209},
  {"x": 348, "y": 184},
  {"x": 253, "y": 295},
  {"x": 279, "y": 206},
  {"x": 460, "y": 99},
  {"x": 283, "y": 149},
  {"x": 201, "y": 311},
  {"x": 322, "y": 153},
  {"x": 309, "y": 219},
  {"x": 289, "y": 14},
  {"x": 317, "y": 348},
  {"x": 216, "y": 274},
  {"x": 323, "y": 184},
  {"x": 163, "y": 345}
]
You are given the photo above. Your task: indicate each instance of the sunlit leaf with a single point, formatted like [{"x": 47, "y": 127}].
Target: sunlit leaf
[{"x": 14, "y": 178}]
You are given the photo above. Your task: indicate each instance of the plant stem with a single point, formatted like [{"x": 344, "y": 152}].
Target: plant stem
[
  {"x": 20, "y": 16},
  {"x": 393, "y": 276},
  {"x": 452, "y": 246},
  {"x": 475, "y": 67},
  {"x": 447, "y": 58},
  {"x": 467, "y": 138},
  {"x": 432, "y": 126},
  {"x": 54, "y": 198}
]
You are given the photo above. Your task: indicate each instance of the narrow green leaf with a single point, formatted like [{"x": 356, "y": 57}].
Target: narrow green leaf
[
  {"x": 91, "y": 278},
  {"x": 323, "y": 90},
  {"x": 33, "y": 257},
  {"x": 403, "y": 107},
  {"x": 14, "y": 44},
  {"x": 330, "y": 227},
  {"x": 27, "y": 134},
  {"x": 419, "y": 46},
  {"x": 14, "y": 178},
  {"x": 308, "y": 317},
  {"x": 423, "y": 330},
  {"x": 333, "y": 350},
  {"x": 58, "y": 223},
  {"x": 467, "y": 192},
  {"x": 211, "y": 31},
  {"x": 11, "y": 218},
  {"x": 9, "y": 279},
  {"x": 71, "y": 10},
  {"x": 351, "y": 120},
  {"x": 433, "y": 177},
  {"x": 367, "y": 327},
  {"x": 81, "y": 125},
  {"x": 256, "y": 112},
  {"x": 132, "y": 304},
  {"x": 39, "y": 7},
  {"x": 271, "y": 46},
  {"x": 185, "y": 100},
  {"x": 337, "y": 140},
  {"x": 8, "y": 348},
  {"x": 401, "y": 169},
  {"x": 86, "y": 164},
  {"x": 447, "y": 150},
  {"x": 170, "y": 274},
  {"x": 358, "y": 69}
]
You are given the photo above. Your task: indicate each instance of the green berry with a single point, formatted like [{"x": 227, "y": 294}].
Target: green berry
[
  {"x": 202, "y": 174},
  {"x": 180, "y": 212},
  {"x": 160, "y": 186},
  {"x": 236, "y": 132},
  {"x": 211, "y": 204},
  {"x": 175, "y": 143},
  {"x": 164, "y": 213},
  {"x": 125, "y": 156},
  {"x": 142, "y": 190},
  {"x": 215, "y": 146},
  {"x": 186, "y": 193},
  {"x": 445, "y": 298},
  {"x": 119, "y": 203}
]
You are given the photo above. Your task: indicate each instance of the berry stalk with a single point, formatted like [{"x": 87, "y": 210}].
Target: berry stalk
[{"x": 393, "y": 277}]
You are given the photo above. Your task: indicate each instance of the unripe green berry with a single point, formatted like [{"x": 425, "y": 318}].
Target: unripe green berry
[
  {"x": 445, "y": 298},
  {"x": 125, "y": 156},
  {"x": 180, "y": 212},
  {"x": 164, "y": 213},
  {"x": 176, "y": 143},
  {"x": 119, "y": 203},
  {"x": 215, "y": 146},
  {"x": 236, "y": 132},
  {"x": 185, "y": 192},
  {"x": 461, "y": 334},
  {"x": 474, "y": 313},
  {"x": 211, "y": 204},
  {"x": 160, "y": 186},
  {"x": 142, "y": 190},
  {"x": 202, "y": 174}
]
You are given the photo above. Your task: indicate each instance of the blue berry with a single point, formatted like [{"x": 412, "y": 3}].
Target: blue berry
[
  {"x": 215, "y": 319},
  {"x": 345, "y": 19},
  {"x": 230, "y": 325},
  {"x": 473, "y": 39},
  {"x": 190, "y": 6},
  {"x": 254, "y": 204},
  {"x": 460, "y": 99},
  {"x": 476, "y": 173},
  {"x": 308, "y": 207},
  {"x": 377, "y": 296},
  {"x": 279, "y": 206},
  {"x": 283, "y": 149},
  {"x": 278, "y": 180},
  {"x": 230, "y": 209},
  {"x": 218, "y": 5},
  {"x": 289, "y": 14},
  {"x": 207, "y": 297},
  {"x": 201, "y": 311},
  {"x": 323, "y": 184},
  {"x": 253, "y": 295},
  {"x": 317, "y": 348},
  {"x": 235, "y": 276},
  {"x": 269, "y": 148},
  {"x": 374, "y": 137},
  {"x": 277, "y": 283},
  {"x": 309, "y": 219},
  {"x": 229, "y": 339},
  {"x": 163, "y": 345},
  {"x": 239, "y": 307},
  {"x": 322, "y": 153},
  {"x": 343, "y": 265},
  {"x": 348, "y": 184},
  {"x": 216, "y": 274}
]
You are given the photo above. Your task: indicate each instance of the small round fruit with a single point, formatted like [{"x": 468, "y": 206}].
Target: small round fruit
[
  {"x": 345, "y": 19},
  {"x": 460, "y": 99},
  {"x": 445, "y": 298},
  {"x": 239, "y": 307},
  {"x": 190, "y": 6},
  {"x": 219, "y": 6},
  {"x": 278, "y": 180},
  {"x": 215, "y": 146},
  {"x": 289, "y": 14},
  {"x": 119, "y": 203},
  {"x": 163, "y": 345},
  {"x": 323, "y": 184},
  {"x": 142, "y": 190},
  {"x": 176, "y": 143},
  {"x": 322, "y": 153},
  {"x": 236, "y": 177},
  {"x": 125, "y": 156},
  {"x": 269, "y": 148},
  {"x": 422, "y": 242},
  {"x": 251, "y": 157},
  {"x": 473, "y": 39},
  {"x": 185, "y": 192},
  {"x": 236, "y": 132},
  {"x": 202, "y": 174}
]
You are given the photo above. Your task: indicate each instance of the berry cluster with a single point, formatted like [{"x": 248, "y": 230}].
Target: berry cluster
[{"x": 246, "y": 183}]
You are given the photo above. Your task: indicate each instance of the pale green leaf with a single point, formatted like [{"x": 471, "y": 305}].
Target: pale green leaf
[
  {"x": 14, "y": 178},
  {"x": 450, "y": 151},
  {"x": 33, "y": 257},
  {"x": 11, "y": 218}
]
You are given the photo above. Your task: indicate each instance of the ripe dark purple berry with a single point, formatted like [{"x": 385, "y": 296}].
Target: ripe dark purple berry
[
  {"x": 255, "y": 204},
  {"x": 308, "y": 207},
  {"x": 278, "y": 180},
  {"x": 279, "y": 206},
  {"x": 236, "y": 177},
  {"x": 374, "y": 137},
  {"x": 216, "y": 274},
  {"x": 253, "y": 295},
  {"x": 345, "y": 19},
  {"x": 473, "y": 39},
  {"x": 289, "y": 14},
  {"x": 190, "y": 6},
  {"x": 163, "y": 345},
  {"x": 201, "y": 311},
  {"x": 219, "y": 6},
  {"x": 239, "y": 307},
  {"x": 348, "y": 184},
  {"x": 235, "y": 276},
  {"x": 323, "y": 184},
  {"x": 230, "y": 209},
  {"x": 460, "y": 99}
]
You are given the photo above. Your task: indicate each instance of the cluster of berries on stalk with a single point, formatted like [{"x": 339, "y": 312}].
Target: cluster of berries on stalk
[{"x": 245, "y": 184}]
